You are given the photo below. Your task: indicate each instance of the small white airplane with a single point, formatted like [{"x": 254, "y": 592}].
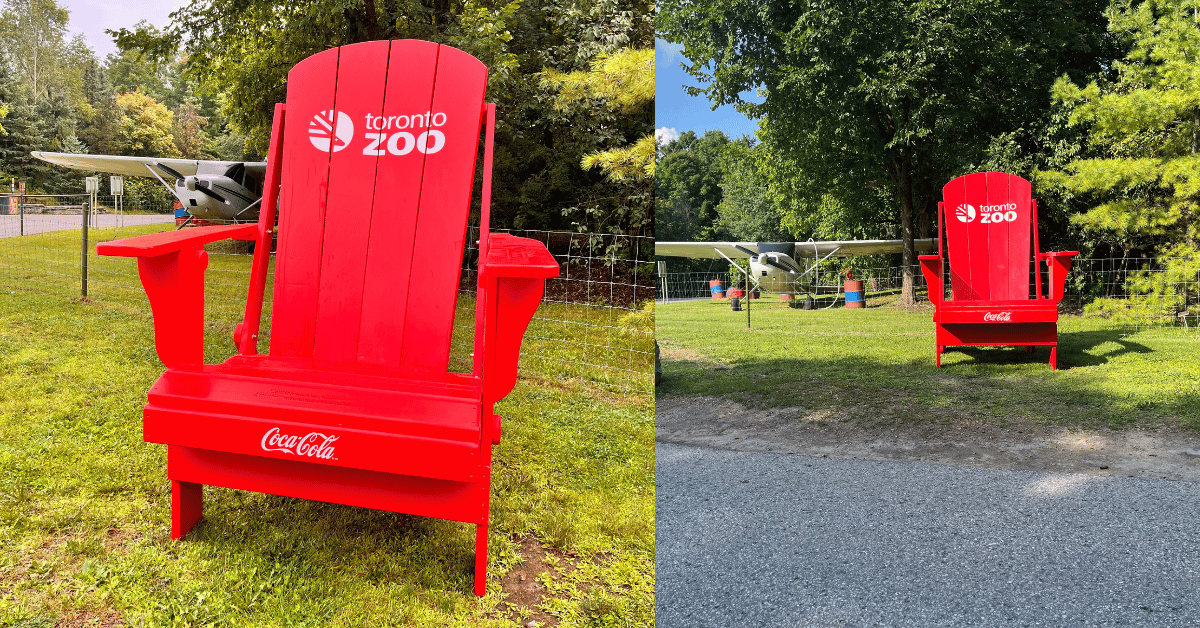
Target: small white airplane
[
  {"x": 774, "y": 266},
  {"x": 228, "y": 191}
]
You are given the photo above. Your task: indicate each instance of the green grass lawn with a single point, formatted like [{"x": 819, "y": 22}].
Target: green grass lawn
[
  {"x": 84, "y": 502},
  {"x": 877, "y": 365}
]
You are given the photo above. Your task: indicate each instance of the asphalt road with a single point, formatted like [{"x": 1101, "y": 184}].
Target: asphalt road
[
  {"x": 760, "y": 539},
  {"x": 40, "y": 223}
]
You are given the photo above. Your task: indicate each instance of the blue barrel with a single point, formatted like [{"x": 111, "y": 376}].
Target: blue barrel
[{"x": 718, "y": 291}]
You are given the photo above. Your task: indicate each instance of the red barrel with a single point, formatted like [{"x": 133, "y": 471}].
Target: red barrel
[{"x": 855, "y": 296}]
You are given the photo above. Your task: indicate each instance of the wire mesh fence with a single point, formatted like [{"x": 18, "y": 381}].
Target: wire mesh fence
[
  {"x": 1135, "y": 294},
  {"x": 595, "y": 323}
]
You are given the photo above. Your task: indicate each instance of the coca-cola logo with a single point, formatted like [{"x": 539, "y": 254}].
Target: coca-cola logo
[
  {"x": 998, "y": 317},
  {"x": 311, "y": 445}
]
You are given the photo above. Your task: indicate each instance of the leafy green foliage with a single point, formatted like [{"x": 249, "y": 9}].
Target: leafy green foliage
[
  {"x": 241, "y": 50},
  {"x": 872, "y": 106},
  {"x": 687, "y": 187},
  {"x": 1142, "y": 125},
  {"x": 746, "y": 212}
]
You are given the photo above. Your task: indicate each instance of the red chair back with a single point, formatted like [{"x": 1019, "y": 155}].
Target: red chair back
[
  {"x": 378, "y": 162},
  {"x": 988, "y": 219}
]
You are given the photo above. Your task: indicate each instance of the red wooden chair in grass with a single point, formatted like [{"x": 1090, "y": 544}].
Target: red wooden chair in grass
[
  {"x": 988, "y": 220},
  {"x": 371, "y": 163}
]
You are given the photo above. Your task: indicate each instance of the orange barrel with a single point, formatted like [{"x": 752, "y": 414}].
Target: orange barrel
[
  {"x": 786, "y": 297},
  {"x": 718, "y": 291},
  {"x": 735, "y": 293},
  {"x": 855, "y": 296}
]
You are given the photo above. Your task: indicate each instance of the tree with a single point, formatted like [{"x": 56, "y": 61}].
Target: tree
[
  {"x": 687, "y": 187},
  {"x": 33, "y": 34},
  {"x": 883, "y": 101},
  {"x": 145, "y": 127},
  {"x": 188, "y": 131},
  {"x": 1144, "y": 123},
  {"x": 746, "y": 212},
  {"x": 241, "y": 50},
  {"x": 625, "y": 82}
]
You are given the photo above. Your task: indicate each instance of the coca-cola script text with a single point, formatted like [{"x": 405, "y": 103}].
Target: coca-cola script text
[{"x": 311, "y": 445}]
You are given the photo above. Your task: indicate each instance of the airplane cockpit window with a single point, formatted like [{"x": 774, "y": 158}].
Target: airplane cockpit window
[{"x": 237, "y": 172}]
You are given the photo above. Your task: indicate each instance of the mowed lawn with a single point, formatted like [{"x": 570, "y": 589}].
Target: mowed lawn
[
  {"x": 877, "y": 365},
  {"x": 84, "y": 502}
]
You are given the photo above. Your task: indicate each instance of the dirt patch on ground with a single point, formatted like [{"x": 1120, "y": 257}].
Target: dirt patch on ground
[
  {"x": 1169, "y": 453},
  {"x": 524, "y": 587}
]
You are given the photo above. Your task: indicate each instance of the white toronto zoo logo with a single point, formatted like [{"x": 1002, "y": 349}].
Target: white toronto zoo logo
[
  {"x": 330, "y": 125},
  {"x": 998, "y": 317},
  {"x": 400, "y": 135},
  {"x": 988, "y": 214},
  {"x": 311, "y": 445}
]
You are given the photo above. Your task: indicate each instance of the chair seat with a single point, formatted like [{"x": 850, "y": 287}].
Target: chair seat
[
  {"x": 328, "y": 414},
  {"x": 1023, "y": 311}
]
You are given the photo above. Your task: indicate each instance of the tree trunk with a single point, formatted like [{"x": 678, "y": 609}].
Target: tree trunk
[{"x": 904, "y": 189}]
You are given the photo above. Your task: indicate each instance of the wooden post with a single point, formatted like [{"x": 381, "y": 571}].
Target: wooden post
[{"x": 83, "y": 273}]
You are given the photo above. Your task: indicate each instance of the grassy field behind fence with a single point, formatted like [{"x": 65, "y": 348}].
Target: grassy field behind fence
[
  {"x": 876, "y": 365},
  {"x": 84, "y": 503}
]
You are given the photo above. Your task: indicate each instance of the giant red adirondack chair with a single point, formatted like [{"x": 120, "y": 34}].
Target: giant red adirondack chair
[
  {"x": 371, "y": 161},
  {"x": 987, "y": 234}
]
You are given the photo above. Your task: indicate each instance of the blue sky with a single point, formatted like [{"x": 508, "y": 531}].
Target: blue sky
[
  {"x": 676, "y": 112},
  {"x": 91, "y": 17}
]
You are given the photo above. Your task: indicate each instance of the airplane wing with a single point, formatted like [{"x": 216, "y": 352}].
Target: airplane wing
[
  {"x": 744, "y": 250},
  {"x": 706, "y": 250},
  {"x": 850, "y": 248},
  {"x": 136, "y": 166}
]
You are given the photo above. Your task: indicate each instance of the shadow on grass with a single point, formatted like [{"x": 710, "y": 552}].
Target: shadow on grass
[
  {"x": 995, "y": 385},
  {"x": 1075, "y": 349}
]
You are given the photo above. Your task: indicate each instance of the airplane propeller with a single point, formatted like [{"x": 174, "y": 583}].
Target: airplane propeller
[
  {"x": 192, "y": 183},
  {"x": 203, "y": 188}
]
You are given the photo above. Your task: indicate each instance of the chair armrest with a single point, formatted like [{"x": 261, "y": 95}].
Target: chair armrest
[
  {"x": 1059, "y": 264},
  {"x": 154, "y": 244},
  {"x": 171, "y": 266},
  {"x": 510, "y": 256},
  {"x": 931, "y": 268},
  {"x": 512, "y": 279}
]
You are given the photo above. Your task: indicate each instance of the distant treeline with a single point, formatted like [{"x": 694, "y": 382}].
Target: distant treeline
[{"x": 205, "y": 88}]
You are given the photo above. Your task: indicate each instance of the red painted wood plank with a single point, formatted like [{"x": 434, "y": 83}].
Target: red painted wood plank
[
  {"x": 426, "y": 415},
  {"x": 154, "y": 244},
  {"x": 314, "y": 131},
  {"x": 248, "y": 344},
  {"x": 445, "y": 201},
  {"x": 409, "y": 96},
  {"x": 995, "y": 210},
  {"x": 424, "y": 497},
  {"x": 989, "y": 334},
  {"x": 311, "y": 442},
  {"x": 362, "y": 69}
]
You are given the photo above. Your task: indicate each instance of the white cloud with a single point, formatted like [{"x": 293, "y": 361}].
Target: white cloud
[
  {"x": 665, "y": 135},
  {"x": 670, "y": 53}
]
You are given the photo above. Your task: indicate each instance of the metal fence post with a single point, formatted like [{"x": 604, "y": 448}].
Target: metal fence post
[
  {"x": 83, "y": 254},
  {"x": 21, "y": 211}
]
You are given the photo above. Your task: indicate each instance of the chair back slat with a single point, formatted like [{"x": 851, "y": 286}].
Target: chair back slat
[
  {"x": 379, "y": 161},
  {"x": 988, "y": 226}
]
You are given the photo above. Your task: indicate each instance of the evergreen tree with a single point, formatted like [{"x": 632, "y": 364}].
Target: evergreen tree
[{"x": 1145, "y": 125}]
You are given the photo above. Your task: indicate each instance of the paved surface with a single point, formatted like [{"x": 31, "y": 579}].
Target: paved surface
[
  {"x": 764, "y": 539},
  {"x": 40, "y": 223}
]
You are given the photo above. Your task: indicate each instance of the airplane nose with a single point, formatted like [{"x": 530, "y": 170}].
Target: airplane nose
[{"x": 190, "y": 183}]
